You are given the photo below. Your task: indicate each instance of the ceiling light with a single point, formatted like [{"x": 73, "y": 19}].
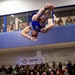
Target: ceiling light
[
  {"x": 12, "y": 15},
  {"x": 19, "y": 20},
  {"x": 54, "y": 16}
]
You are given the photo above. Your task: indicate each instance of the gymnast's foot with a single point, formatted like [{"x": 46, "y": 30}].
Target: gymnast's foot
[{"x": 49, "y": 6}]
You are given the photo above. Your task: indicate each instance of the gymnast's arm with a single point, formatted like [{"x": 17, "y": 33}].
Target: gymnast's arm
[
  {"x": 25, "y": 32},
  {"x": 47, "y": 28}
]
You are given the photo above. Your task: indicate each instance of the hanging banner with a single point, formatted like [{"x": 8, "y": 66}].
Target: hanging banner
[{"x": 31, "y": 60}]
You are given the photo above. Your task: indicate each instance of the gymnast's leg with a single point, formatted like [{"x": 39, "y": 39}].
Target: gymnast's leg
[
  {"x": 45, "y": 18},
  {"x": 41, "y": 12},
  {"x": 46, "y": 15}
]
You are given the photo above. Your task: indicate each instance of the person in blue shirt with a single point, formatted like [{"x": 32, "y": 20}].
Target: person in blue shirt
[{"x": 39, "y": 23}]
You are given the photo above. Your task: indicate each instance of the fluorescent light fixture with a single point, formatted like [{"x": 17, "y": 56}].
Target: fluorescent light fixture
[
  {"x": 19, "y": 20},
  {"x": 3, "y": 25},
  {"x": 54, "y": 16},
  {"x": 12, "y": 15}
]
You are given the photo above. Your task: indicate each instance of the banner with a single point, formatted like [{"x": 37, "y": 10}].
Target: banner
[{"x": 31, "y": 60}]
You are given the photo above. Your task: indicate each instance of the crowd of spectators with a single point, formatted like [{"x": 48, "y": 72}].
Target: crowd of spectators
[
  {"x": 68, "y": 21},
  {"x": 11, "y": 26},
  {"x": 40, "y": 69},
  {"x": 59, "y": 22}
]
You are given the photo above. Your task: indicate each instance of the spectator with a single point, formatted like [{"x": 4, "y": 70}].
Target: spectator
[
  {"x": 69, "y": 64},
  {"x": 17, "y": 68},
  {"x": 69, "y": 20},
  {"x": 35, "y": 72},
  {"x": 72, "y": 69},
  {"x": 60, "y": 65},
  {"x": 2, "y": 73},
  {"x": 63, "y": 66},
  {"x": 74, "y": 21},
  {"x": 3, "y": 69},
  {"x": 1, "y": 27},
  {"x": 60, "y": 22},
  {"x": 52, "y": 73},
  {"x": 10, "y": 26},
  {"x": 27, "y": 72},
  {"x": 53, "y": 69},
  {"x": 54, "y": 65},
  {"x": 38, "y": 73},
  {"x": 23, "y": 72},
  {"x": 40, "y": 70},
  {"x": 66, "y": 72},
  {"x": 44, "y": 73},
  {"x": 58, "y": 72},
  {"x": 47, "y": 66},
  {"x": 55, "y": 23},
  {"x": 10, "y": 69},
  {"x": 31, "y": 73},
  {"x": 35, "y": 66}
]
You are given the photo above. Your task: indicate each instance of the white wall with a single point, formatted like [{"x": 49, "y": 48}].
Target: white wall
[
  {"x": 12, "y": 58},
  {"x": 16, "y": 6},
  {"x": 57, "y": 55}
]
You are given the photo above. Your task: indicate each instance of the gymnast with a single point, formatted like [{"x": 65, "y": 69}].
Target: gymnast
[{"x": 38, "y": 24}]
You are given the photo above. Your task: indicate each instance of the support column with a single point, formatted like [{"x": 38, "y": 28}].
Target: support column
[
  {"x": 16, "y": 23},
  {"x": 5, "y": 28},
  {"x": 52, "y": 16}
]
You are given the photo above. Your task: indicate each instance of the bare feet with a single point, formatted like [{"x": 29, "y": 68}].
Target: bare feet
[{"x": 51, "y": 6}]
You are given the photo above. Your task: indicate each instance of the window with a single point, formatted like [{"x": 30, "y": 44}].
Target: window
[
  {"x": 67, "y": 14},
  {"x": 1, "y": 23},
  {"x": 16, "y": 22}
]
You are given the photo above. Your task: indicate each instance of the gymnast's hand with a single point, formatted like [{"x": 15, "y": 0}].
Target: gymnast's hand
[{"x": 33, "y": 39}]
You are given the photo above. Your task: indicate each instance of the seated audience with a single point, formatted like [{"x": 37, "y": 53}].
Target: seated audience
[
  {"x": 66, "y": 72},
  {"x": 40, "y": 69},
  {"x": 58, "y": 72},
  {"x": 63, "y": 66},
  {"x": 69, "y": 64}
]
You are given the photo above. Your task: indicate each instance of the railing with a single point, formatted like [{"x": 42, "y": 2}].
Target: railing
[{"x": 60, "y": 34}]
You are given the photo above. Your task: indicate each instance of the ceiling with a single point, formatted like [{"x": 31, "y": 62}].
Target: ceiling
[{"x": 60, "y": 9}]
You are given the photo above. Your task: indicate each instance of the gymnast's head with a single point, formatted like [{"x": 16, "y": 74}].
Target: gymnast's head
[{"x": 34, "y": 33}]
